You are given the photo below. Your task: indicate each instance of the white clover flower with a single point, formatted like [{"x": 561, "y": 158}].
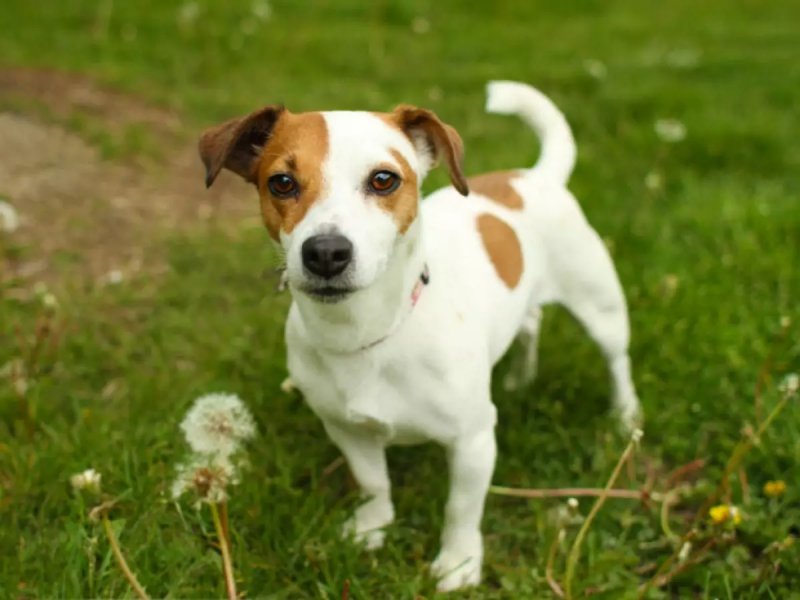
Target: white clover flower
[
  {"x": 9, "y": 219},
  {"x": 218, "y": 424},
  {"x": 572, "y": 503},
  {"x": 653, "y": 181},
  {"x": 208, "y": 477},
  {"x": 790, "y": 384},
  {"x": 261, "y": 10},
  {"x": 670, "y": 130},
  {"x": 683, "y": 58},
  {"x": 49, "y": 300},
  {"x": 87, "y": 480},
  {"x": 420, "y": 25},
  {"x": 114, "y": 277},
  {"x": 636, "y": 435},
  {"x": 188, "y": 13},
  {"x": 595, "y": 68}
]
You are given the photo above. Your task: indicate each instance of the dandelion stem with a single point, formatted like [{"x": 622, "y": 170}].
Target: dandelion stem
[
  {"x": 669, "y": 499},
  {"x": 123, "y": 565},
  {"x": 224, "y": 544},
  {"x": 571, "y": 493},
  {"x": 574, "y": 553},
  {"x": 551, "y": 559}
]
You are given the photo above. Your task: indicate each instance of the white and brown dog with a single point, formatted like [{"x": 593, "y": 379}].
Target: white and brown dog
[{"x": 401, "y": 307}]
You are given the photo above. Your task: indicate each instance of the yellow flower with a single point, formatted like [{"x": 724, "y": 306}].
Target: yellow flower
[
  {"x": 719, "y": 514},
  {"x": 773, "y": 489},
  {"x": 723, "y": 512}
]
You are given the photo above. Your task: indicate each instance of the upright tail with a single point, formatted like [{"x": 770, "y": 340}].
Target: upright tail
[{"x": 557, "y": 158}]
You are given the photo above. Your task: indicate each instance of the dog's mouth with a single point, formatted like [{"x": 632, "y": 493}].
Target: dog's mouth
[{"x": 329, "y": 294}]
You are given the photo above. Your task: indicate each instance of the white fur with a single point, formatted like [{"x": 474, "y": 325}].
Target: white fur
[{"x": 429, "y": 379}]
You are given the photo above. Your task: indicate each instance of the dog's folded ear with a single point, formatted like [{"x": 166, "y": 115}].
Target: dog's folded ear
[
  {"x": 236, "y": 144},
  {"x": 439, "y": 140}
]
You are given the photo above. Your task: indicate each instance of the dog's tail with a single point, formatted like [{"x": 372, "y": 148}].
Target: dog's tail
[{"x": 557, "y": 157}]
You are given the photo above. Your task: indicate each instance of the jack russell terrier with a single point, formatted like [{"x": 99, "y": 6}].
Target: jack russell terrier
[{"x": 400, "y": 307}]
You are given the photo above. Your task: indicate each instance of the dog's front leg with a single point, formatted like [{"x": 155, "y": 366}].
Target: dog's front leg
[
  {"x": 471, "y": 460},
  {"x": 366, "y": 455}
]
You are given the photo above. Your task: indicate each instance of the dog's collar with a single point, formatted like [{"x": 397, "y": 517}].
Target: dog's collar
[{"x": 422, "y": 281}]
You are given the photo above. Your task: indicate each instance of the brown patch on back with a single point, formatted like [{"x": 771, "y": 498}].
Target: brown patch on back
[
  {"x": 503, "y": 247},
  {"x": 298, "y": 145},
  {"x": 497, "y": 187},
  {"x": 403, "y": 203}
]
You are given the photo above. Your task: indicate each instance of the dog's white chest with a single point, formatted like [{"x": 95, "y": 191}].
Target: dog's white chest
[{"x": 401, "y": 397}]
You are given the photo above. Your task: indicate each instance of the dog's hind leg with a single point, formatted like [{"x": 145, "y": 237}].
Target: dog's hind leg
[
  {"x": 590, "y": 289},
  {"x": 524, "y": 362}
]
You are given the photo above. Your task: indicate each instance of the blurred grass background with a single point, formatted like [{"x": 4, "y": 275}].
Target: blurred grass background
[{"x": 704, "y": 232}]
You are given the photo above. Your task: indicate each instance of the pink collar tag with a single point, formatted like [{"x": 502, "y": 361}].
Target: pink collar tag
[{"x": 424, "y": 279}]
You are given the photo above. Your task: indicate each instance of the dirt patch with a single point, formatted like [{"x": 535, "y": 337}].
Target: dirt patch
[
  {"x": 85, "y": 217},
  {"x": 65, "y": 94}
]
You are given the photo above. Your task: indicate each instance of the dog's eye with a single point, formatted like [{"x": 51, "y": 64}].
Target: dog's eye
[
  {"x": 282, "y": 185},
  {"x": 383, "y": 182}
]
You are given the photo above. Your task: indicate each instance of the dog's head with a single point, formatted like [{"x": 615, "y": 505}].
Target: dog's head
[{"x": 338, "y": 190}]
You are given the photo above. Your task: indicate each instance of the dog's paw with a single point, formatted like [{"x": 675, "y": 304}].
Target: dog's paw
[
  {"x": 366, "y": 526},
  {"x": 457, "y": 569},
  {"x": 371, "y": 539}
]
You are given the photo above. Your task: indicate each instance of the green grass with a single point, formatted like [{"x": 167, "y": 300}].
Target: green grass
[{"x": 724, "y": 226}]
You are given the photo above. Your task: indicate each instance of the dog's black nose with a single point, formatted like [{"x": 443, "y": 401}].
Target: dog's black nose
[{"x": 327, "y": 255}]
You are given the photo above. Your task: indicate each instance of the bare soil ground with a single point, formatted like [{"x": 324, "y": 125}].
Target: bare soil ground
[{"x": 83, "y": 217}]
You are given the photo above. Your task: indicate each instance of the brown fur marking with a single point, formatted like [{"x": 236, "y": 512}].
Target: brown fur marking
[
  {"x": 497, "y": 187},
  {"x": 503, "y": 247},
  {"x": 402, "y": 204},
  {"x": 297, "y": 146}
]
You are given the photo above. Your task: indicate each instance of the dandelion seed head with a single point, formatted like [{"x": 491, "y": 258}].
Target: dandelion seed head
[
  {"x": 206, "y": 477},
  {"x": 218, "y": 424},
  {"x": 88, "y": 480}
]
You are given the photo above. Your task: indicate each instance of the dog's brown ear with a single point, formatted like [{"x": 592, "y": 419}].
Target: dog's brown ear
[
  {"x": 441, "y": 139},
  {"x": 236, "y": 144}
]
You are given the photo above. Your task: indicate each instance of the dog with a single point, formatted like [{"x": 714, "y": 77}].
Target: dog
[{"x": 401, "y": 308}]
